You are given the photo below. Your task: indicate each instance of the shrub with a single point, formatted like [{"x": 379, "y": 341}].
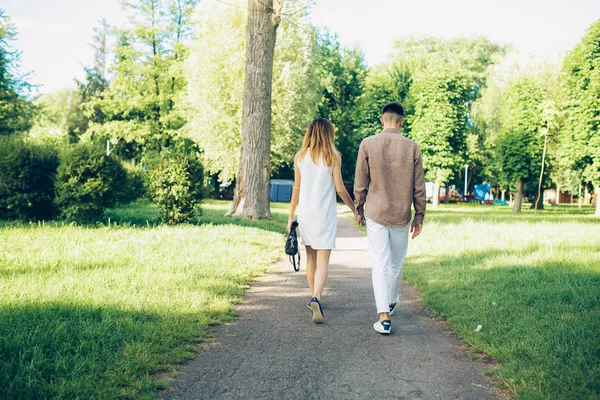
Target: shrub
[
  {"x": 27, "y": 174},
  {"x": 135, "y": 187},
  {"x": 88, "y": 182},
  {"x": 175, "y": 184}
]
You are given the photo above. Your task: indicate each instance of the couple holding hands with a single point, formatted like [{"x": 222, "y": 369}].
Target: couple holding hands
[{"x": 389, "y": 179}]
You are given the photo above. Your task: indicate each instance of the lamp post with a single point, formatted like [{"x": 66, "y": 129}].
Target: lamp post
[{"x": 466, "y": 172}]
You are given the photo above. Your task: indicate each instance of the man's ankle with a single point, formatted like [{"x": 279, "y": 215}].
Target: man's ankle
[{"x": 383, "y": 316}]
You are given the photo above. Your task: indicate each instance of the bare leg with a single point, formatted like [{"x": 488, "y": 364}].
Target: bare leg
[
  {"x": 311, "y": 267},
  {"x": 320, "y": 276}
]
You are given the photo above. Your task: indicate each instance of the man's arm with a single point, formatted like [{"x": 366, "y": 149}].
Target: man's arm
[
  {"x": 361, "y": 180},
  {"x": 419, "y": 194}
]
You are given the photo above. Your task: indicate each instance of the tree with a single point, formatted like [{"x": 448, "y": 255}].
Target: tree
[
  {"x": 439, "y": 123},
  {"x": 215, "y": 73},
  {"x": 92, "y": 88},
  {"x": 140, "y": 105},
  {"x": 57, "y": 118},
  {"x": 582, "y": 80},
  {"x": 252, "y": 190},
  {"x": 16, "y": 108},
  {"x": 413, "y": 59},
  {"x": 342, "y": 75},
  {"x": 519, "y": 143}
]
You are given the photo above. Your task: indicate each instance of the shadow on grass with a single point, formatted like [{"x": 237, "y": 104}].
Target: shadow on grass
[
  {"x": 143, "y": 213},
  {"x": 55, "y": 350},
  {"x": 540, "y": 321},
  {"x": 455, "y": 212}
]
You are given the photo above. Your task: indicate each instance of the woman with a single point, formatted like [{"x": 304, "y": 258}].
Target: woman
[{"x": 317, "y": 177}]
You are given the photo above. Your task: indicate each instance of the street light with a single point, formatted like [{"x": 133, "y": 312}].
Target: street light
[{"x": 466, "y": 172}]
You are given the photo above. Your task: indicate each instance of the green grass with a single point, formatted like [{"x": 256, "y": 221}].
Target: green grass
[
  {"x": 531, "y": 280},
  {"x": 96, "y": 312}
]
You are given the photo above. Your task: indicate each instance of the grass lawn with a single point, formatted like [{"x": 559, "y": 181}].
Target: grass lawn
[
  {"x": 95, "y": 312},
  {"x": 533, "y": 283}
]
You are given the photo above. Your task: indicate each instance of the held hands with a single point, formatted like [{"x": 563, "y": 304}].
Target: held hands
[
  {"x": 360, "y": 219},
  {"x": 415, "y": 229}
]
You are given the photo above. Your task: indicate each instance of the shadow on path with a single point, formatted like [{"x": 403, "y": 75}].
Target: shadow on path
[{"x": 274, "y": 351}]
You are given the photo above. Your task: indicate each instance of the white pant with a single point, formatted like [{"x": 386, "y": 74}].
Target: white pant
[{"x": 387, "y": 248}]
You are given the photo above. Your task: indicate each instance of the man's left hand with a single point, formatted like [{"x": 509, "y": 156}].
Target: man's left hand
[{"x": 360, "y": 219}]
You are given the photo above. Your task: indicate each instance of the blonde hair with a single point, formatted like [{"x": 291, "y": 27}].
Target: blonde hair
[{"x": 319, "y": 139}]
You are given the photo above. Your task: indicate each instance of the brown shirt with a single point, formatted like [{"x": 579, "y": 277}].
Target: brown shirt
[{"x": 389, "y": 179}]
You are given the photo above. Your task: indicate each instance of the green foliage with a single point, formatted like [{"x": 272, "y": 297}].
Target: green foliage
[
  {"x": 440, "y": 95},
  {"x": 520, "y": 142},
  {"x": 342, "y": 75},
  {"x": 530, "y": 280},
  {"x": 27, "y": 173},
  {"x": 437, "y": 80},
  {"x": 103, "y": 313},
  {"x": 215, "y": 71},
  {"x": 175, "y": 183},
  {"x": 16, "y": 110},
  {"x": 384, "y": 83},
  {"x": 141, "y": 102},
  {"x": 58, "y": 118},
  {"x": 88, "y": 182},
  {"x": 582, "y": 82}
]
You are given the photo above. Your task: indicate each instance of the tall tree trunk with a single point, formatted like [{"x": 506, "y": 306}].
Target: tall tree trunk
[
  {"x": 252, "y": 188},
  {"x": 586, "y": 197},
  {"x": 447, "y": 198},
  {"x": 518, "y": 197},
  {"x": 557, "y": 202},
  {"x": 539, "y": 202},
  {"x": 504, "y": 195},
  {"x": 435, "y": 201},
  {"x": 579, "y": 199},
  {"x": 597, "y": 200}
]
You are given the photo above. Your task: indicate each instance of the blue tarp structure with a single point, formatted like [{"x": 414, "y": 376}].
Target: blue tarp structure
[
  {"x": 280, "y": 189},
  {"x": 481, "y": 191}
]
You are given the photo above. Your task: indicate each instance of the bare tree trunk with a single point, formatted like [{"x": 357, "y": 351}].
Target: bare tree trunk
[
  {"x": 597, "y": 200},
  {"x": 504, "y": 195},
  {"x": 252, "y": 189},
  {"x": 586, "y": 196},
  {"x": 539, "y": 203},
  {"x": 557, "y": 202},
  {"x": 518, "y": 197},
  {"x": 447, "y": 198},
  {"x": 435, "y": 201},
  {"x": 579, "y": 196}
]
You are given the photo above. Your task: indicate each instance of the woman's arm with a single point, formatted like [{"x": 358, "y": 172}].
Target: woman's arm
[
  {"x": 339, "y": 184},
  {"x": 295, "y": 195}
]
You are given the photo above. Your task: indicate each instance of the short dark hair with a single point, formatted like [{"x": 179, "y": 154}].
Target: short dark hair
[{"x": 395, "y": 107}]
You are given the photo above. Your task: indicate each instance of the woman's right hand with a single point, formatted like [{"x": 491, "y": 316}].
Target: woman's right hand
[{"x": 289, "y": 226}]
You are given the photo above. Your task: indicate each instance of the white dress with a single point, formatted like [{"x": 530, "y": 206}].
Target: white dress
[{"x": 317, "y": 219}]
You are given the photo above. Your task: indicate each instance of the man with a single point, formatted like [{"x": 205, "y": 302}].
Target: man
[{"x": 389, "y": 179}]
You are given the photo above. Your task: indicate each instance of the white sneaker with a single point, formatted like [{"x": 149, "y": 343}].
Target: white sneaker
[{"x": 383, "y": 327}]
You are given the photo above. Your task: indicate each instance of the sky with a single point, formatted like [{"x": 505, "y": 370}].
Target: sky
[{"x": 54, "y": 35}]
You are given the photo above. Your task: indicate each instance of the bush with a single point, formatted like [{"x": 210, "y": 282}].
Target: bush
[
  {"x": 88, "y": 182},
  {"x": 175, "y": 184},
  {"x": 135, "y": 188},
  {"x": 27, "y": 174}
]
